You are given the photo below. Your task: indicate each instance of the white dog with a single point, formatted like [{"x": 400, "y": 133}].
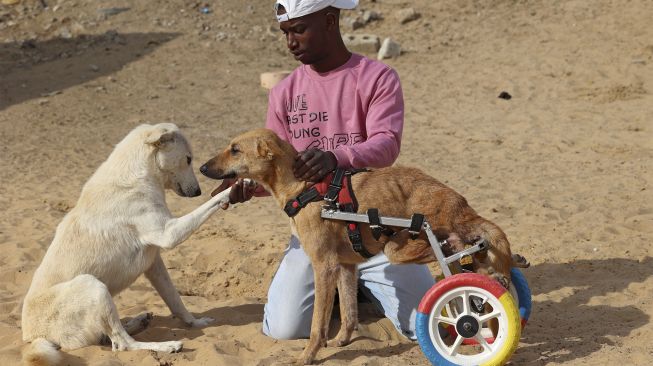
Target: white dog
[{"x": 113, "y": 235}]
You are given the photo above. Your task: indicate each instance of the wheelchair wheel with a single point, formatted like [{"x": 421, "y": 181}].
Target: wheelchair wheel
[
  {"x": 521, "y": 293},
  {"x": 468, "y": 302}
]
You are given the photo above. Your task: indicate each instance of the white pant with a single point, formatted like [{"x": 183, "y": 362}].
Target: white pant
[{"x": 396, "y": 289}]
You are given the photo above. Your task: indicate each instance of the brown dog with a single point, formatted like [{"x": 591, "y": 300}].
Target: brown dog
[{"x": 396, "y": 191}]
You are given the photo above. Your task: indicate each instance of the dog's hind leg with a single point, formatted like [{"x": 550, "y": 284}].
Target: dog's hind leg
[
  {"x": 160, "y": 279},
  {"x": 133, "y": 326},
  {"x": 100, "y": 311},
  {"x": 121, "y": 340},
  {"x": 81, "y": 311},
  {"x": 347, "y": 288},
  {"x": 106, "y": 315},
  {"x": 400, "y": 248}
]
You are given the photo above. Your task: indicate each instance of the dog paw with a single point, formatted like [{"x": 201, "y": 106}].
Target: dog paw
[
  {"x": 170, "y": 347},
  {"x": 118, "y": 346},
  {"x": 307, "y": 357},
  {"x": 301, "y": 361},
  {"x": 201, "y": 322},
  {"x": 519, "y": 261},
  {"x": 337, "y": 342},
  {"x": 503, "y": 280}
]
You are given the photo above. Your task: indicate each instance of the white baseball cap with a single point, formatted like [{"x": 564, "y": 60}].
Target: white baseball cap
[{"x": 299, "y": 8}]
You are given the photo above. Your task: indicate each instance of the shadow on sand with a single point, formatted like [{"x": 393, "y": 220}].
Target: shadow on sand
[
  {"x": 557, "y": 331},
  {"x": 565, "y": 330},
  {"x": 32, "y": 69}
]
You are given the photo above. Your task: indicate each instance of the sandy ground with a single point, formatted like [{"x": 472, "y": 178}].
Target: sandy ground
[{"x": 564, "y": 167}]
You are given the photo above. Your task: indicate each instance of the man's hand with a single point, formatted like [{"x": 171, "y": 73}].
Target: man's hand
[
  {"x": 241, "y": 191},
  {"x": 313, "y": 164}
]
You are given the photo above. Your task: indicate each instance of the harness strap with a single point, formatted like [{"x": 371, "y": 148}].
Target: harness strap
[
  {"x": 375, "y": 224},
  {"x": 354, "y": 234},
  {"x": 416, "y": 222},
  {"x": 293, "y": 206},
  {"x": 336, "y": 197},
  {"x": 335, "y": 186}
]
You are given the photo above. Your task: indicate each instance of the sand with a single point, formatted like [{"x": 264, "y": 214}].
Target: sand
[{"x": 564, "y": 167}]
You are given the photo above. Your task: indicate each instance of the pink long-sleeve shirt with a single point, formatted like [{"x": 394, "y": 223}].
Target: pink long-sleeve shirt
[{"x": 356, "y": 111}]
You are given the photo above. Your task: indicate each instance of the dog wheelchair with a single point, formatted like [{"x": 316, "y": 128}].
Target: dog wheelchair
[{"x": 459, "y": 309}]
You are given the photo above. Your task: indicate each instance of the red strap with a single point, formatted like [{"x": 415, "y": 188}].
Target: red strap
[{"x": 344, "y": 196}]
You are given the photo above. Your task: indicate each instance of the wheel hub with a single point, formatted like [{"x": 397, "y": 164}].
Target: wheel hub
[{"x": 467, "y": 326}]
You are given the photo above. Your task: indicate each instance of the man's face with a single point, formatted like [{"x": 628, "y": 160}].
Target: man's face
[{"x": 306, "y": 37}]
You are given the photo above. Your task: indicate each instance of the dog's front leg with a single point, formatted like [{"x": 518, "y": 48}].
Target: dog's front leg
[
  {"x": 347, "y": 289},
  {"x": 160, "y": 279},
  {"x": 325, "y": 275},
  {"x": 175, "y": 231}
]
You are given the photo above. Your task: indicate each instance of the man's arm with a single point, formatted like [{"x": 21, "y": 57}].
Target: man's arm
[{"x": 384, "y": 123}]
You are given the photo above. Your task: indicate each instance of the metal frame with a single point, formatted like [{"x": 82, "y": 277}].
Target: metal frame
[{"x": 331, "y": 213}]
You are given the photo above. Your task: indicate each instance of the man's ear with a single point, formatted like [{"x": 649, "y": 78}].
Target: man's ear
[
  {"x": 264, "y": 149},
  {"x": 160, "y": 136},
  {"x": 332, "y": 19}
]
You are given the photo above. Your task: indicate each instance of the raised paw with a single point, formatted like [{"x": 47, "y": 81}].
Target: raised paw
[{"x": 201, "y": 322}]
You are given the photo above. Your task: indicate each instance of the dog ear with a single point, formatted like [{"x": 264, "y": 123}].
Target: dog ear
[
  {"x": 160, "y": 136},
  {"x": 264, "y": 149}
]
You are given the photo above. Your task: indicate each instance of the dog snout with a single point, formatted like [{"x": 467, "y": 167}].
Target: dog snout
[
  {"x": 212, "y": 173},
  {"x": 198, "y": 192}
]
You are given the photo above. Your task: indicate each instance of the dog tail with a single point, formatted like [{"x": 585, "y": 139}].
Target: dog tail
[{"x": 41, "y": 352}]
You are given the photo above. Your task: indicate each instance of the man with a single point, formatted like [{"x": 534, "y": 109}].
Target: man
[{"x": 339, "y": 110}]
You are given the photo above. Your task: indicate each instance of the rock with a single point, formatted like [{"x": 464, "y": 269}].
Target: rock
[
  {"x": 370, "y": 16},
  {"x": 350, "y": 23},
  {"x": 94, "y": 68},
  {"x": 65, "y": 33},
  {"x": 389, "y": 49},
  {"x": 407, "y": 15},
  {"x": 270, "y": 79},
  {"x": 107, "y": 12},
  {"x": 362, "y": 43},
  {"x": 10, "y": 2},
  {"x": 505, "y": 95}
]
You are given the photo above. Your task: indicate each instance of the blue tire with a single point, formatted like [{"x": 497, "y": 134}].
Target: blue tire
[{"x": 523, "y": 295}]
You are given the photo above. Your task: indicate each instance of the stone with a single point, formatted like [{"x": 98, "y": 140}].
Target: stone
[
  {"x": 370, "y": 16},
  {"x": 362, "y": 43},
  {"x": 270, "y": 79},
  {"x": 407, "y": 15},
  {"x": 505, "y": 95},
  {"x": 350, "y": 23},
  {"x": 389, "y": 49}
]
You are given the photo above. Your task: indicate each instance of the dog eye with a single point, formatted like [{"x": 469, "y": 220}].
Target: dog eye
[
  {"x": 189, "y": 159},
  {"x": 234, "y": 150}
]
